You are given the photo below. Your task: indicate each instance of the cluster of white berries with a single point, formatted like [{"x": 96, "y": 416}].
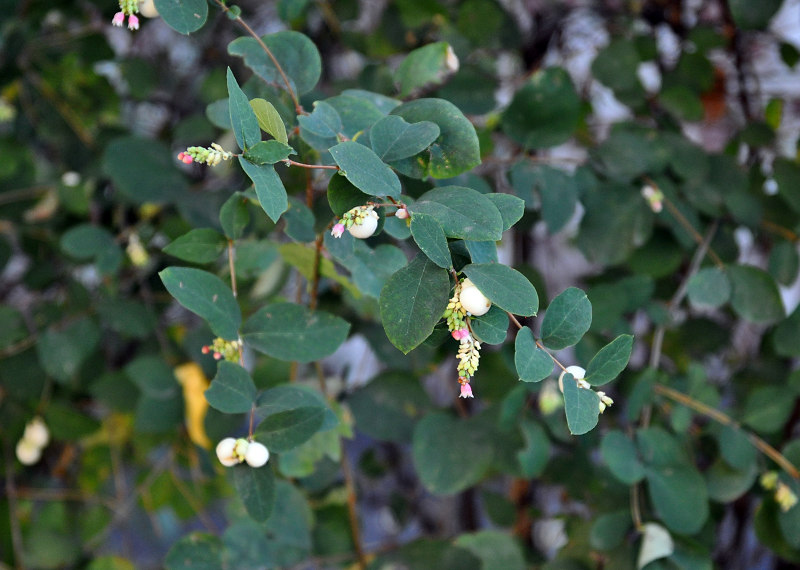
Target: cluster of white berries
[
  {"x": 232, "y": 451},
  {"x": 361, "y": 222},
  {"x": 579, "y": 374},
  {"x": 34, "y": 439}
]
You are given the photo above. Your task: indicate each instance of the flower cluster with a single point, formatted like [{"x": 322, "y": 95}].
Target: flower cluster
[
  {"x": 654, "y": 197},
  {"x": 224, "y": 349},
  {"x": 211, "y": 156},
  {"x": 468, "y": 350},
  {"x": 127, "y": 8},
  {"x": 232, "y": 451},
  {"x": 361, "y": 222},
  {"x": 34, "y": 439},
  {"x": 784, "y": 495}
]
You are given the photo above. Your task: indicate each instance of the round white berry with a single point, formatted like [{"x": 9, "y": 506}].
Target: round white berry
[
  {"x": 225, "y": 452},
  {"x": 577, "y": 372},
  {"x": 257, "y": 454},
  {"x": 367, "y": 226},
  {"x": 472, "y": 300},
  {"x": 28, "y": 452},
  {"x": 36, "y": 432}
]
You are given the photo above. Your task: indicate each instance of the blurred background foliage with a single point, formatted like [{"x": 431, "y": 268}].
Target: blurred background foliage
[{"x": 577, "y": 107}]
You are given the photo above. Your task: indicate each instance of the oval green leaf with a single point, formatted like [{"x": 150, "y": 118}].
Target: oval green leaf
[
  {"x": 532, "y": 363},
  {"x": 505, "y": 287},
  {"x": 256, "y": 489},
  {"x": 286, "y": 430},
  {"x": 232, "y": 391},
  {"x": 361, "y": 166},
  {"x": 430, "y": 238},
  {"x": 462, "y": 212},
  {"x": 581, "y": 405},
  {"x": 392, "y": 138},
  {"x": 755, "y": 296},
  {"x": 243, "y": 119},
  {"x": 491, "y": 328},
  {"x": 709, "y": 288},
  {"x": 619, "y": 453},
  {"x": 609, "y": 361},
  {"x": 269, "y": 188},
  {"x": 197, "y": 246},
  {"x": 183, "y": 16},
  {"x": 567, "y": 319}
]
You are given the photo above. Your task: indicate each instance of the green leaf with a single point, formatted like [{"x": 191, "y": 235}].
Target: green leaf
[
  {"x": 753, "y": 15},
  {"x": 243, "y": 119},
  {"x": 388, "y": 407},
  {"x": 183, "y": 16},
  {"x": 234, "y": 215},
  {"x": 448, "y": 464},
  {"x": 456, "y": 150},
  {"x": 609, "y": 361},
  {"x": 726, "y": 484},
  {"x": 510, "y": 207},
  {"x": 532, "y": 363},
  {"x": 343, "y": 196},
  {"x": 299, "y": 222},
  {"x": 232, "y": 391},
  {"x": 290, "y": 332},
  {"x": 412, "y": 301},
  {"x": 207, "y": 296},
  {"x": 491, "y": 328},
  {"x": 496, "y": 550},
  {"x": 567, "y": 319},
  {"x": 286, "y": 397},
  {"x": 425, "y": 66},
  {"x": 303, "y": 257},
  {"x": 365, "y": 170},
  {"x": 286, "y": 430},
  {"x": 430, "y": 238},
  {"x": 269, "y": 120},
  {"x": 268, "y": 152},
  {"x": 93, "y": 242},
  {"x": 324, "y": 124},
  {"x": 679, "y": 496},
  {"x": 295, "y": 52},
  {"x": 709, "y": 288},
  {"x": 736, "y": 449},
  {"x": 481, "y": 251},
  {"x": 619, "y": 453},
  {"x": 61, "y": 351},
  {"x": 198, "y": 246},
  {"x": 581, "y": 405},
  {"x": 505, "y": 287},
  {"x": 269, "y": 188},
  {"x": 755, "y": 296},
  {"x": 609, "y": 530},
  {"x": 153, "y": 377},
  {"x": 197, "y": 551},
  {"x": 767, "y": 409},
  {"x": 392, "y": 138},
  {"x": 616, "y": 67},
  {"x": 462, "y": 212},
  {"x": 256, "y": 489},
  {"x": 533, "y": 459},
  {"x": 787, "y": 333},
  {"x": 128, "y": 317},
  {"x": 545, "y": 112},
  {"x": 784, "y": 262},
  {"x": 144, "y": 170},
  {"x": 369, "y": 268}
]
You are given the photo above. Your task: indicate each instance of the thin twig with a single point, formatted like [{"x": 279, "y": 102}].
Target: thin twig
[
  {"x": 352, "y": 513},
  {"x": 269, "y": 53},
  {"x": 538, "y": 342},
  {"x": 315, "y": 275},
  {"x": 289, "y": 161},
  {"x": 193, "y": 502},
  {"x": 686, "y": 224},
  {"x": 11, "y": 493},
  {"x": 231, "y": 253}
]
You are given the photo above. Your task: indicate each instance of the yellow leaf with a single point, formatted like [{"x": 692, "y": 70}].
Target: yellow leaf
[{"x": 194, "y": 383}]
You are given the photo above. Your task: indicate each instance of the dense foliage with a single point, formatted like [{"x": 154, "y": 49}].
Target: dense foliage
[{"x": 457, "y": 284}]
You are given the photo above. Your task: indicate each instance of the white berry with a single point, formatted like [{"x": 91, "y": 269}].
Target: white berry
[
  {"x": 257, "y": 454},
  {"x": 472, "y": 300},
  {"x": 28, "y": 452},
  {"x": 36, "y": 432},
  {"x": 577, "y": 372},
  {"x": 367, "y": 226},
  {"x": 226, "y": 452}
]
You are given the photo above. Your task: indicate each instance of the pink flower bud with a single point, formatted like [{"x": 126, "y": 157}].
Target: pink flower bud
[
  {"x": 466, "y": 391},
  {"x": 217, "y": 356},
  {"x": 205, "y": 350},
  {"x": 460, "y": 334},
  {"x": 133, "y": 22},
  {"x": 401, "y": 213},
  {"x": 337, "y": 230},
  {"x": 118, "y": 19}
]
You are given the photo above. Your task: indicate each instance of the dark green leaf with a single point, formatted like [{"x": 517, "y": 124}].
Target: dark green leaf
[
  {"x": 256, "y": 488},
  {"x": 784, "y": 262},
  {"x": 726, "y": 484},
  {"x": 505, "y": 287},
  {"x": 581, "y": 405},
  {"x": 567, "y": 319},
  {"x": 532, "y": 363},
  {"x": 197, "y": 551},
  {"x": 234, "y": 216},
  {"x": 387, "y": 408},
  {"x": 153, "y": 377},
  {"x": 481, "y": 251},
  {"x": 448, "y": 464},
  {"x": 243, "y": 119},
  {"x": 299, "y": 222},
  {"x": 430, "y": 238},
  {"x": 545, "y": 112},
  {"x": 291, "y": 332},
  {"x": 755, "y": 296},
  {"x": 343, "y": 196},
  {"x": 709, "y": 288},
  {"x": 365, "y": 170},
  {"x": 610, "y": 360},
  {"x": 269, "y": 188},
  {"x": 533, "y": 459},
  {"x": 492, "y": 327},
  {"x": 753, "y": 15},
  {"x": 232, "y": 391},
  {"x": 369, "y": 268},
  {"x": 198, "y": 246},
  {"x": 269, "y": 120},
  {"x": 268, "y": 152},
  {"x": 93, "y": 242},
  {"x": 392, "y": 138},
  {"x": 183, "y": 16},
  {"x": 144, "y": 170},
  {"x": 510, "y": 207},
  {"x": 295, "y": 52},
  {"x": 496, "y": 549},
  {"x": 456, "y": 150},
  {"x": 412, "y": 301},
  {"x": 736, "y": 449},
  {"x": 286, "y": 397},
  {"x": 323, "y": 123},
  {"x": 609, "y": 530},
  {"x": 767, "y": 409},
  {"x": 207, "y": 296},
  {"x": 679, "y": 496},
  {"x": 462, "y": 212},
  {"x": 62, "y": 350},
  {"x": 619, "y": 453},
  {"x": 428, "y": 65},
  {"x": 787, "y": 333},
  {"x": 286, "y": 430}
]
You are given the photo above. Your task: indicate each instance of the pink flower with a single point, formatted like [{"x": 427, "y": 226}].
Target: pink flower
[
  {"x": 118, "y": 19},
  {"x": 460, "y": 334},
  {"x": 337, "y": 230},
  {"x": 466, "y": 391},
  {"x": 133, "y": 22},
  {"x": 185, "y": 158}
]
